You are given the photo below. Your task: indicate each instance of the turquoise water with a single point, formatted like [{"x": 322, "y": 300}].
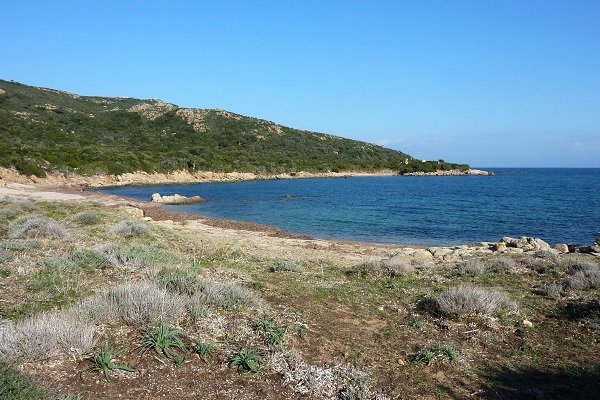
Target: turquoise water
[{"x": 557, "y": 205}]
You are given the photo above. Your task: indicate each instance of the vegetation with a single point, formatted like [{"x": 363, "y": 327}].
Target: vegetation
[
  {"x": 46, "y": 130},
  {"x": 337, "y": 330}
]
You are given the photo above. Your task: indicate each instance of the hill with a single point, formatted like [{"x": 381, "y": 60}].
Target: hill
[{"x": 45, "y": 130}]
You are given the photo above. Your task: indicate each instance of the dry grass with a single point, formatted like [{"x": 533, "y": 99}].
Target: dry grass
[
  {"x": 471, "y": 267},
  {"x": 389, "y": 268},
  {"x": 501, "y": 264},
  {"x": 44, "y": 336},
  {"x": 467, "y": 300},
  {"x": 130, "y": 228},
  {"x": 34, "y": 227},
  {"x": 226, "y": 295},
  {"x": 143, "y": 303},
  {"x": 576, "y": 262},
  {"x": 587, "y": 279}
]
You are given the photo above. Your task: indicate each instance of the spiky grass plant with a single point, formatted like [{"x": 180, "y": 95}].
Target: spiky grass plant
[
  {"x": 246, "y": 360},
  {"x": 103, "y": 361},
  {"x": 163, "y": 340},
  {"x": 431, "y": 353},
  {"x": 205, "y": 350}
]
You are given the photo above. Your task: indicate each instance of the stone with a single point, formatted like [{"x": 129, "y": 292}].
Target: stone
[
  {"x": 527, "y": 323},
  {"x": 525, "y": 243},
  {"x": 501, "y": 246},
  {"x": 175, "y": 199},
  {"x": 598, "y": 238},
  {"x": 561, "y": 248}
]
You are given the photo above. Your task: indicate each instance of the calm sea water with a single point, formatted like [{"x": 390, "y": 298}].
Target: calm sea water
[{"x": 557, "y": 205}]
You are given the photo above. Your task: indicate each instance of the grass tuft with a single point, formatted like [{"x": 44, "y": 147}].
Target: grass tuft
[
  {"x": 130, "y": 228},
  {"x": 431, "y": 353},
  {"x": 87, "y": 218},
  {"x": 246, "y": 360},
  {"x": 467, "y": 300},
  {"x": 227, "y": 295},
  {"x": 286, "y": 266},
  {"x": 163, "y": 340},
  {"x": 35, "y": 227}
]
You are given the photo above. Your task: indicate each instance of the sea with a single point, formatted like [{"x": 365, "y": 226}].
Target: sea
[{"x": 556, "y": 205}]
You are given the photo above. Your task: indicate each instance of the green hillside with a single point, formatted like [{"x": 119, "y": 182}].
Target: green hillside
[{"x": 44, "y": 130}]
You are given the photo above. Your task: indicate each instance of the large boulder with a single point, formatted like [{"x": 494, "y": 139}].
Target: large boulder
[
  {"x": 175, "y": 199},
  {"x": 526, "y": 243},
  {"x": 561, "y": 248}
]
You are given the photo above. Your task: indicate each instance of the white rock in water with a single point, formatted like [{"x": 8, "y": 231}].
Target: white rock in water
[{"x": 175, "y": 199}]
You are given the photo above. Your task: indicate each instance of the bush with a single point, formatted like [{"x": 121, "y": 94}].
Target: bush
[
  {"x": 18, "y": 203},
  {"x": 586, "y": 279},
  {"x": 41, "y": 337},
  {"x": 87, "y": 218},
  {"x": 35, "y": 227},
  {"x": 501, "y": 264},
  {"x": 177, "y": 280},
  {"x": 576, "y": 262},
  {"x": 552, "y": 291},
  {"x": 81, "y": 259},
  {"x": 133, "y": 257},
  {"x": 286, "y": 265},
  {"x": 163, "y": 339},
  {"x": 466, "y": 300},
  {"x": 390, "y": 268},
  {"x": 225, "y": 294},
  {"x": 129, "y": 228},
  {"x": 246, "y": 360},
  {"x": 143, "y": 303},
  {"x": 471, "y": 267}
]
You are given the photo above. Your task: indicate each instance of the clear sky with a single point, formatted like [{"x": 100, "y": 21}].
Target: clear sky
[{"x": 490, "y": 83}]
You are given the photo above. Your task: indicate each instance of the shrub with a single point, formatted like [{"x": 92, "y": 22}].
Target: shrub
[
  {"x": 163, "y": 339},
  {"x": 103, "y": 362},
  {"x": 286, "y": 265},
  {"x": 471, "y": 267},
  {"x": 95, "y": 309},
  {"x": 466, "y": 300},
  {"x": 87, "y": 218},
  {"x": 225, "y": 294},
  {"x": 576, "y": 262},
  {"x": 18, "y": 203},
  {"x": 129, "y": 228},
  {"x": 196, "y": 310},
  {"x": 501, "y": 264},
  {"x": 81, "y": 259},
  {"x": 273, "y": 334},
  {"x": 247, "y": 359},
  {"x": 431, "y": 353},
  {"x": 552, "y": 291},
  {"x": 35, "y": 227},
  {"x": 136, "y": 256},
  {"x": 390, "y": 268},
  {"x": 143, "y": 303},
  {"x": 40, "y": 337},
  {"x": 177, "y": 280},
  {"x": 586, "y": 279}
]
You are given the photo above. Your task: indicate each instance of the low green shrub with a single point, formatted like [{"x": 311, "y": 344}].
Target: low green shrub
[
  {"x": 586, "y": 279},
  {"x": 431, "y": 353},
  {"x": 205, "y": 350},
  {"x": 501, "y": 264},
  {"x": 16, "y": 386},
  {"x": 576, "y": 262},
  {"x": 470, "y": 267},
  {"x": 552, "y": 291}
]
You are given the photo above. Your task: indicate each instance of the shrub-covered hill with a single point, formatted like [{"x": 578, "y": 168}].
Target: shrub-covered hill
[{"x": 45, "y": 130}]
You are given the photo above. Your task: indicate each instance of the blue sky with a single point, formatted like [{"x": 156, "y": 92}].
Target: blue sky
[{"x": 490, "y": 83}]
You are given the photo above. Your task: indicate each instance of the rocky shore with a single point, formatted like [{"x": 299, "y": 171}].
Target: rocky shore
[{"x": 452, "y": 172}]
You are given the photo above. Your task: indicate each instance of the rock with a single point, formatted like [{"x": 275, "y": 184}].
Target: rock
[
  {"x": 526, "y": 243},
  {"x": 422, "y": 254},
  {"x": 578, "y": 248},
  {"x": 500, "y": 246},
  {"x": 439, "y": 251},
  {"x": 598, "y": 238},
  {"x": 288, "y": 197},
  {"x": 527, "y": 323},
  {"x": 595, "y": 248},
  {"x": 175, "y": 199},
  {"x": 561, "y": 248}
]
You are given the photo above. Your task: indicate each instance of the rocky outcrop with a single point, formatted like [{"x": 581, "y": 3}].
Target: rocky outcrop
[
  {"x": 561, "y": 248},
  {"x": 175, "y": 199},
  {"x": 598, "y": 238},
  {"x": 526, "y": 243},
  {"x": 452, "y": 172}
]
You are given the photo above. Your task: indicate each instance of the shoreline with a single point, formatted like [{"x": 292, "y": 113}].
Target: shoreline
[{"x": 8, "y": 176}]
